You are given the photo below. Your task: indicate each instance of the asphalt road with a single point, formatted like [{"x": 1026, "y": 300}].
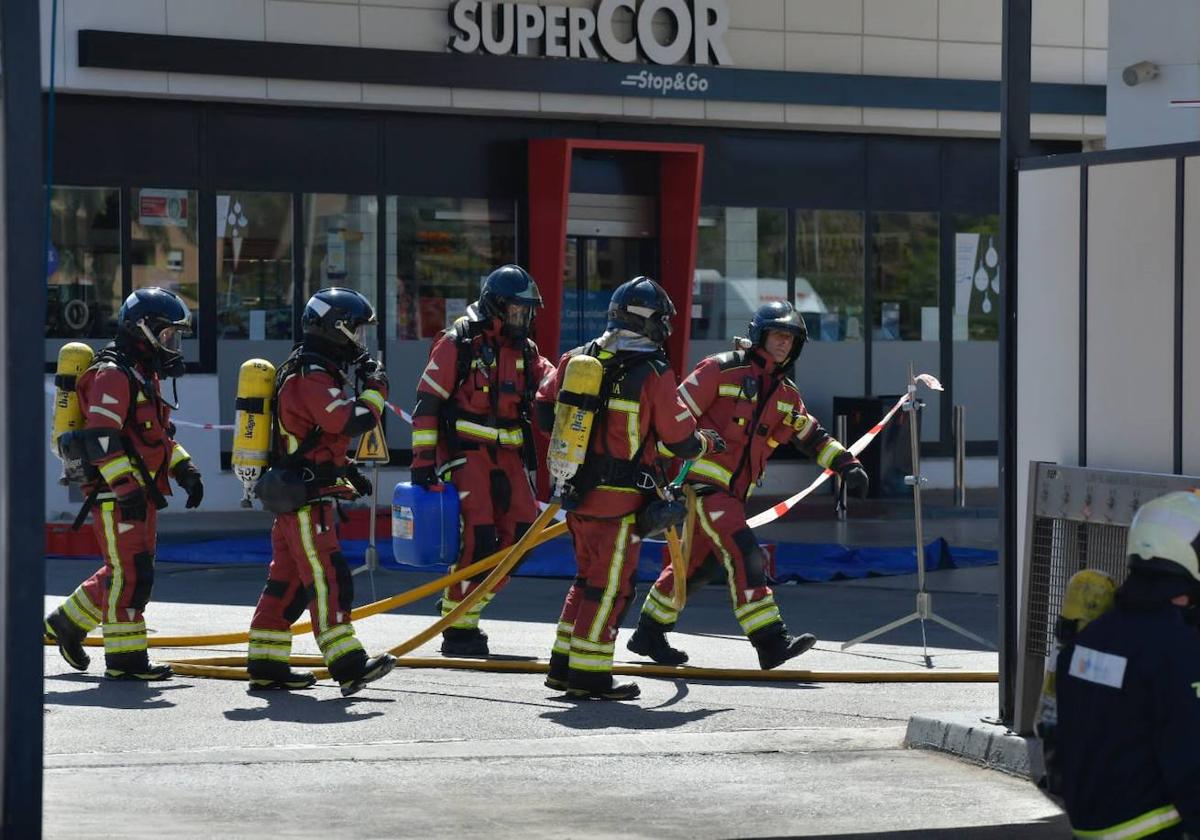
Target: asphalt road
[{"x": 441, "y": 753}]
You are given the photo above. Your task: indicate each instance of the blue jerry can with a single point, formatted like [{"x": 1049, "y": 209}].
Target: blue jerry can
[{"x": 424, "y": 525}]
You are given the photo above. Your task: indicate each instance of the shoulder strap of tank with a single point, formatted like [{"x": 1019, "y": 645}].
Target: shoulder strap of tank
[
  {"x": 464, "y": 344},
  {"x": 137, "y": 384},
  {"x": 293, "y": 365},
  {"x": 631, "y": 370},
  {"x": 110, "y": 355}
]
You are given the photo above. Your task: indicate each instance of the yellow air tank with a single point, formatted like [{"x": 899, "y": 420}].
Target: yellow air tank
[
  {"x": 252, "y": 428},
  {"x": 1090, "y": 594},
  {"x": 73, "y": 360},
  {"x": 574, "y": 412}
]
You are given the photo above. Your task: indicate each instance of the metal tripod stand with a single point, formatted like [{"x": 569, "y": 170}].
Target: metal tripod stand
[
  {"x": 924, "y": 610},
  {"x": 372, "y": 553}
]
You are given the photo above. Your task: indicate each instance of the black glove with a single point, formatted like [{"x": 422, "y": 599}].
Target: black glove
[
  {"x": 133, "y": 505},
  {"x": 714, "y": 442},
  {"x": 373, "y": 376},
  {"x": 856, "y": 480},
  {"x": 424, "y": 477},
  {"x": 361, "y": 484},
  {"x": 189, "y": 480}
]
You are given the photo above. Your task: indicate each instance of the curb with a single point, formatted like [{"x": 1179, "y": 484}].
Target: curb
[{"x": 970, "y": 736}]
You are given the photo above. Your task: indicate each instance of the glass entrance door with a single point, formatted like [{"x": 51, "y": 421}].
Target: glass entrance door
[{"x": 593, "y": 268}]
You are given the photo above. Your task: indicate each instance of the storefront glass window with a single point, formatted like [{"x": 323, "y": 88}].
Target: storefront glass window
[
  {"x": 741, "y": 260},
  {"x": 829, "y": 273},
  {"x": 254, "y": 265},
  {"x": 439, "y": 251},
  {"x": 163, "y": 246},
  {"x": 976, "y": 278},
  {"x": 906, "y": 277},
  {"x": 83, "y": 269},
  {"x": 339, "y": 242}
]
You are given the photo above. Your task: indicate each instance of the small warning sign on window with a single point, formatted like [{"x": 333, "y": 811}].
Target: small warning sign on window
[{"x": 372, "y": 447}]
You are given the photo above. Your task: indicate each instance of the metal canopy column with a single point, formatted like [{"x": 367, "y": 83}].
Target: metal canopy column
[
  {"x": 22, "y": 452},
  {"x": 1014, "y": 144}
]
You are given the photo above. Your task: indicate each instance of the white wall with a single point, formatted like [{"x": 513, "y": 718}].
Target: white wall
[
  {"x": 1166, "y": 32},
  {"x": 1191, "y": 317},
  {"x": 956, "y": 39},
  {"x": 1130, "y": 316},
  {"x": 1047, "y": 326}
]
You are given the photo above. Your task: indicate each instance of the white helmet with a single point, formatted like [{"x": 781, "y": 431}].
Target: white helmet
[{"x": 1165, "y": 534}]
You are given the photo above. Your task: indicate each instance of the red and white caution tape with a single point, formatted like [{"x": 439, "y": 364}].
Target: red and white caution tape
[
  {"x": 208, "y": 427},
  {"x": 401, "y": 413},
  {"x": 776, "y": 511}
]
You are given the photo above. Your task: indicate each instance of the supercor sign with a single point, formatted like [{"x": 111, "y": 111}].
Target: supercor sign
[{"x": 695, "y": 34}]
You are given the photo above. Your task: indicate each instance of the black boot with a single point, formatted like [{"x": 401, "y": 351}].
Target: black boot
[
  {"x": 556, "y": 677},
  {"x": 650, "y": 639},
  {"x": 776, "y": 647},
  {"x": 135, "y": 667},
  {"x": 277, "y": 676},
  {"x": 458, "y": 641},
  {"x": 69, "y": 639},
  {"x": 615, "y": 691},
  {"x": 374, "y": 669}
]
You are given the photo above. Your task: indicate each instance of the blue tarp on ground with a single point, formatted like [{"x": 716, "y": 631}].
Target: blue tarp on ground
[{"x": 793, "y": 561}]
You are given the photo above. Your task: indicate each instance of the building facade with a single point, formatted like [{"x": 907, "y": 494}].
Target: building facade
[{"x": 841, "y": 154}]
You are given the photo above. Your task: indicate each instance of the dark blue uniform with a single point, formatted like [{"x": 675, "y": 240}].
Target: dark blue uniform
[{"x": 1129, "y": 725}]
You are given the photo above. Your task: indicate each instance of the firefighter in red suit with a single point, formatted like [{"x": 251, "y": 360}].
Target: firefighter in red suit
[
  {"x": 128, "y": 442},
  {"x": 611, "y": 500},
  {"x": 472, "y": 426},
  {"x": 747, "y": 397},
  {"x": 310, "y": 471}
]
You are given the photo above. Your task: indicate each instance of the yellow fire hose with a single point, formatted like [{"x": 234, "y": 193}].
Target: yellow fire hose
[
  {"x": 233, "y": 668},
  {"x": 398, "y": 600},
  {"x": 515, "y": 553},
  {"x": 680, "y": 569},
  {"x": 509, "y": 558}
]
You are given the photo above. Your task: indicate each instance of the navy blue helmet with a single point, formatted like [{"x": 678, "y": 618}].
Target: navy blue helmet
[
  {"x": 151, "y": 324},
  {"x": 779, "y": 315},
  {"x": 642, "y": 306},
  {"x": 506, "y": 286},
  {"x": 337, "y": 319}
]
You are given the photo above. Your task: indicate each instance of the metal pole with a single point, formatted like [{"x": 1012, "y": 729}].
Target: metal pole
[
  {"x": 1014, "y": 144},
  {"x": 372, "y": 555},
  {"x": 913, "y": 407},
  {"x": 22, "y": 458},
  {"x": 924, "y": 607},
  {"x": 924, "y": 610},
  {"x": 960, "y": 456},
  {"x": 839, "y": 505}
]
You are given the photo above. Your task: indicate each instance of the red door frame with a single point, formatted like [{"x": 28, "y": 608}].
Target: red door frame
[{"x": 681, "y": 166}]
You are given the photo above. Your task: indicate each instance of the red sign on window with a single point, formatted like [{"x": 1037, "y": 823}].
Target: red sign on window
[{"x": 163, "y": 207}]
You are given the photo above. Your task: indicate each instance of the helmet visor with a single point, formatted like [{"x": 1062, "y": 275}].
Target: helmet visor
[
  {"x": 170, "y": 338},
  {"x": 356, "y": 336},
  {"x": 518, "y": 316},
  {"x": 665, "y": 320}
]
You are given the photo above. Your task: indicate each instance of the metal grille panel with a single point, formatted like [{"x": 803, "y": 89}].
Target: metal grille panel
[
  {"x": 1078, "y": 518},
  {"x": 1059, "y": 549}
]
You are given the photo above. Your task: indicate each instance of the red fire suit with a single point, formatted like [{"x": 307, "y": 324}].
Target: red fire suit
[
  {"x": 307, "y": 567},
  {"x": 116, "y": 595},
  {"x": 755, "y": 408},
  {"x": 472, "y": 419},
  {"x": 642, "y": 413}
]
